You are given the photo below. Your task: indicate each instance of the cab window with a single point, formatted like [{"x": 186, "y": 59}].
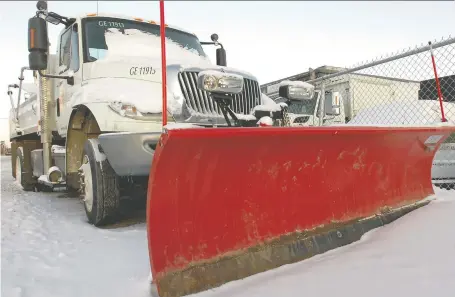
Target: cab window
[{"x": 69, "y": 50}]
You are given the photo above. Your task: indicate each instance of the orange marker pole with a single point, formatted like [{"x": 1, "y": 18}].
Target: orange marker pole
[
  {"x": 438, "y": 86},
  {"x": 163, "y": 61}
]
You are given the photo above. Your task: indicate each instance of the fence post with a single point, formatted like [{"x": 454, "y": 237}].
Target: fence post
[
  {"x": 438, "y": 86},
  {"x": 322, "y": 104}
]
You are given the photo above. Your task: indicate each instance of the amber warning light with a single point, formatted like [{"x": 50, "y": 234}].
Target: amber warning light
[{"x": 32, "y": 37}]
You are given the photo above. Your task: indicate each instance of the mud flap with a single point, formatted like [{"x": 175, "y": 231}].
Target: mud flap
[{"x": 224, "y": 204}]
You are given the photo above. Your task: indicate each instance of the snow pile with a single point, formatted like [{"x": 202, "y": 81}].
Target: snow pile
[
  {"x": 268, "y": 104},
  {"x": 415, "y": 113},
  {"x": 282, "y": 105},
  {"x": 268, "y": 108},
  {"x": 44, "y": 179},
  {"x": 136, "y": 43},
  {"x": 129, "y": 17},
  {"x": 266, "y": 100},
  {"x": 180, "y": 126},
  {"x": 445, "y": 124},
  {"x": 246, "y": 117},
  {"x": 265, "y": 121}
]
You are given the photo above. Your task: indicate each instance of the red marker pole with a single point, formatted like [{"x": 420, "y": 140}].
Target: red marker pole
[
  {"x": 438, "y": 86},
  {"x": 163, "y": 61}
]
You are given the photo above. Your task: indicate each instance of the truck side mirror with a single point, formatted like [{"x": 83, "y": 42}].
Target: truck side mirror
[
  {"x": 37, "y": 44},
  {"x": 221, "y": 57}
]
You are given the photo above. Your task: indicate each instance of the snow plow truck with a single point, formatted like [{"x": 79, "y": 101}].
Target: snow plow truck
[
  {"x": 91, "y": 121},
  {"x": 232, "y": 190}
]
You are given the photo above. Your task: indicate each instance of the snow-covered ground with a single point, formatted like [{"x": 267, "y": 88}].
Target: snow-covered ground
[{"x": 48, "y": 249}]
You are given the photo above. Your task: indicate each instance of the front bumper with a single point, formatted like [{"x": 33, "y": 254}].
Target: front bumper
[
  {"x": 443, "y": 169},
  {"x": 130, "y": 154}
]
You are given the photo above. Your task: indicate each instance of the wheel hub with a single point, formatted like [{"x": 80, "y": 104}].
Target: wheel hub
[
  {"x": 86, "y": 188},
  {"x": 18, "y": 170}
]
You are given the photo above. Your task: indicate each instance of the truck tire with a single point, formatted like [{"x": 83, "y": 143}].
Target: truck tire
[
  {"x": 99, "y": 186},
  {"x": 23, "y": 177}
]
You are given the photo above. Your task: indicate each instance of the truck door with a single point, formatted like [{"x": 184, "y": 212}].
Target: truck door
[
  {"x": 68, "y": 61},
  {"x": 339, "y": 116},
  {"x": 333, "y": 110}
]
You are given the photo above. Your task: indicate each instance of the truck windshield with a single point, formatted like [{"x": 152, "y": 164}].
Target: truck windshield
[{"x": 96, "y": 46}]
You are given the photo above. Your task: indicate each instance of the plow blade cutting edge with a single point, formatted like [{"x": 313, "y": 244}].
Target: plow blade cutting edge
[{"x": 226, "y": 203}]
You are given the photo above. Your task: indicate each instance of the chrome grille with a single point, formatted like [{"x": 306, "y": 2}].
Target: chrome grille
[
  {"x": 301, "y": 120},
  {"x": 200, "y": 101}
]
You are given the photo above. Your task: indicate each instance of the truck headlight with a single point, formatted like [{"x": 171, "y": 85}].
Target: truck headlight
[
  {"x": 125, "y": 109},
  {"x": 219, "y": 82},
  {"x": 130, "y": 111}
]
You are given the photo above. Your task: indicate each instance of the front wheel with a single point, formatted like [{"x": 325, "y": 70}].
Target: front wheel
[{"x": 99, "y": 186}]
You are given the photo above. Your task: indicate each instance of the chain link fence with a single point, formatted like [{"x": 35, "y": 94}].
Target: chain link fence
[
  {"x": 394, "y": 90},
  {"x": 398, "y": 90}
]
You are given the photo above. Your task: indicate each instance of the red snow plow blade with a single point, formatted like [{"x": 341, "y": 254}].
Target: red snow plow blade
[{"x": 227, "y": 203}]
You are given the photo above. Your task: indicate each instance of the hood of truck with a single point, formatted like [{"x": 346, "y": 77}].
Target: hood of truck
[
  {"x": 145, "y": 95},
  {"x": 140, "y": 68},
  {"x": 149, "y": 68},
  {"x": 138, "y": 81}
]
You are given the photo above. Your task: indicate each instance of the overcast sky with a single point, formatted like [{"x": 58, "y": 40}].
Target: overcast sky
[{"x": 272, "y": 39}]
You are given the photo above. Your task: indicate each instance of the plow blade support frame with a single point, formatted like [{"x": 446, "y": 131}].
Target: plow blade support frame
[{"x": 227, "y": 203}]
